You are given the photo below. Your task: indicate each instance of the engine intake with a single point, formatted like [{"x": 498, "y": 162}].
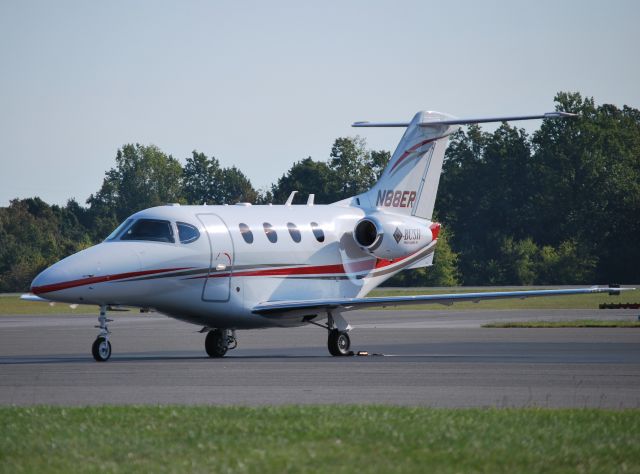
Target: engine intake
[{"x": 367, "y": 233}]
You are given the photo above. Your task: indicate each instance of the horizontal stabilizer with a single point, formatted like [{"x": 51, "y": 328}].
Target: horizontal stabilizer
[
  {"x": 467, "y": 121},
  {"x": 348, "y": 304}
]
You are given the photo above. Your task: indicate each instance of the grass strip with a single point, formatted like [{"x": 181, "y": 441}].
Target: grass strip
[
  {"x": 578, "y": 323},
  {"x": 12, "y": 304},
  {"x": 332, "y": 439}
]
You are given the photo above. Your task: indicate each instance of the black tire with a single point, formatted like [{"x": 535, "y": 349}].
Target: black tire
[
  {"x": 101, "y": 349},
  {"x": 216, "y": 343},
  {"x": 338, "y": 343}
]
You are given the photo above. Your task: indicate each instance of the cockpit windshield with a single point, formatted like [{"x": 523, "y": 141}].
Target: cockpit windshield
[
  {"x": 119, "y": 229},
  {"x": 149, "y": 229}
]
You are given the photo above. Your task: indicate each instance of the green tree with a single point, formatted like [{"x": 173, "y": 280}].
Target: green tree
[
  {"x": 307, "y": 177},
  {"x": 236, "y": 187},
  {"x": 35, "y": 235},
  {"x": 485, "y": 195},
  {"x": 573, "y": 189},
  {"x": 350, "y": 162},
  {"x": 518, "y": 262},
  {"x": 565, "y": 264},
  {"x": 202, "y": 180},
  {"x": 590, "y": 193},
  {"x": 377, "y": 163},
  {"x": 143, "y": 177},
  {"x": 351, "y": 170}
]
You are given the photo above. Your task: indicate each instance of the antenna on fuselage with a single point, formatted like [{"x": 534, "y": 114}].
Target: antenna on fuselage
[
  {"x": 290, "y": 199},
  {"x": 310, "y": 199}
]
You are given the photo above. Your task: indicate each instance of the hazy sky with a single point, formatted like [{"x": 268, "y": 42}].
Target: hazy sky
[{"x": 261, "y": 85}]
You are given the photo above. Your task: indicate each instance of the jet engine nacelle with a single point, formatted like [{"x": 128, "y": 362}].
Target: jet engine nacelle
[{"x": 389, "y": 237}]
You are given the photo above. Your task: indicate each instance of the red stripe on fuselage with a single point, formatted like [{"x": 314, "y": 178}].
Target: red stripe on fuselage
[
  {"x": 38, "y": 290},
  {"x": 354, "y": 267}
]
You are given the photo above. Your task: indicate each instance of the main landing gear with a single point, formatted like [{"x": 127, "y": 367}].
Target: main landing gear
[
  {"x": 338, "y": 341},
  {"x": 219, "y": 341},
  {"x": 101, "y": 348}
]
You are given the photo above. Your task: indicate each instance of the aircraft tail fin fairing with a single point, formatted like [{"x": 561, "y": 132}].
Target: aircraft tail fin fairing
[{"x": 409, "y": 183}]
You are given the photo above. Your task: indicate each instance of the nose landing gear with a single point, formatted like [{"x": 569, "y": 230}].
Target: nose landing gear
[
  {"x": 101, "y": 348},
  {"x": 219, "y": 341}
]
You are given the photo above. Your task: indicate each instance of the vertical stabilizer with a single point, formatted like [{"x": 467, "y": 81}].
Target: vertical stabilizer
[{"x": 409, "y": 183}]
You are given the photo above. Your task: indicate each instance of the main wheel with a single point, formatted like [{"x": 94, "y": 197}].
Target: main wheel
[
  {"x": 338, "y": 343},
  {"x": 101, "y": 349},
  {"x": 216, "y": 343}
]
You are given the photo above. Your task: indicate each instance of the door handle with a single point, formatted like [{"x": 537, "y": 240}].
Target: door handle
[{"x": 220, "y": 267}]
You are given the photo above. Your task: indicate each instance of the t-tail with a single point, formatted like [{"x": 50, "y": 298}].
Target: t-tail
[{"x": 409, "y": 183}]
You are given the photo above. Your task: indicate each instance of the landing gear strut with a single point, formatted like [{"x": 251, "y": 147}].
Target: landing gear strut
[
  {"x": 101, "y": 348},
  {"x": 219, "y": 341}
]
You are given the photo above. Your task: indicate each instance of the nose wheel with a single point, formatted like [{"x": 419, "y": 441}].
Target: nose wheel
[{"x": 101, "y": 348}]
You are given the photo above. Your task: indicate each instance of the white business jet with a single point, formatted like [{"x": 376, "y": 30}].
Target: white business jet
[{"x": 227, "y": 268}]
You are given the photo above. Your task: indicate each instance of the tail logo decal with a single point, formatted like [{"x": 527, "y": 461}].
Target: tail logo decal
[{"x": 411, "y": 151}]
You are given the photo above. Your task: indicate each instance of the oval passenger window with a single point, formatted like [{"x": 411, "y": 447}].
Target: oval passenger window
[
  {"x": 295, "y": 233},
  {"x": 271, "y": 234},
  {"x": 187, "y": 233},
  {"x": 247, "y": 235},
  {"x": 317, "y": 232}
]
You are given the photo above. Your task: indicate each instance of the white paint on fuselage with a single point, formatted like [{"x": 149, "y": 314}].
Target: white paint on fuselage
[{"x": 181, "y": 296}]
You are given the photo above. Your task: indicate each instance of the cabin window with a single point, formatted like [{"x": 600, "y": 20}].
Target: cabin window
[
  {"x": 113, "y": 235},
  {"x": 318, "y": 233},
  {"x": 247, "y": 235},
  {"x": 294, "y": 232},
  {"x": 271, "y": 234},
  {"x": 187, "y": 233},
  {"x": 149, "y": 229}
]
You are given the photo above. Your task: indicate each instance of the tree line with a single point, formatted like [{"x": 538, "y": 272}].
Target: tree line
[{"x": 559, "y": 206}]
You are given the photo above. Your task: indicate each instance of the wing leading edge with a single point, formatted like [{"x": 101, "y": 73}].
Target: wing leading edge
[{"x": 350, "y": 304}]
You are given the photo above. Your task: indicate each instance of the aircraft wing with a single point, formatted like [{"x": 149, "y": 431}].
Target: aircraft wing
[
  {"x": 350, "y": 304},
  {"x": 30, "y": 297}
]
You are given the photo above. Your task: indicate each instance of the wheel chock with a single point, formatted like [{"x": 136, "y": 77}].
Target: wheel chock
[{"x": 368, "y": 354}]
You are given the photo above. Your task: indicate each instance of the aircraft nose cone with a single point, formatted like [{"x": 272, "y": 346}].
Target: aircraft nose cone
[
  {"x": 48, "y": 279},
  {"x": 72, "y": 276}
]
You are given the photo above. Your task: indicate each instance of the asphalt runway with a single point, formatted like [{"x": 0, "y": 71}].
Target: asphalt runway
[{"x": 431, "y": 358}]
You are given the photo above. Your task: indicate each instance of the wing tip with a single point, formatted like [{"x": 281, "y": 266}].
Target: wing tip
[{"x": 32, "y": 297}]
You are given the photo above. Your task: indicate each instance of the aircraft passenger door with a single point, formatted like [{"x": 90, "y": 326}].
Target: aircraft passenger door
[{"x": 218, "y": 281}]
